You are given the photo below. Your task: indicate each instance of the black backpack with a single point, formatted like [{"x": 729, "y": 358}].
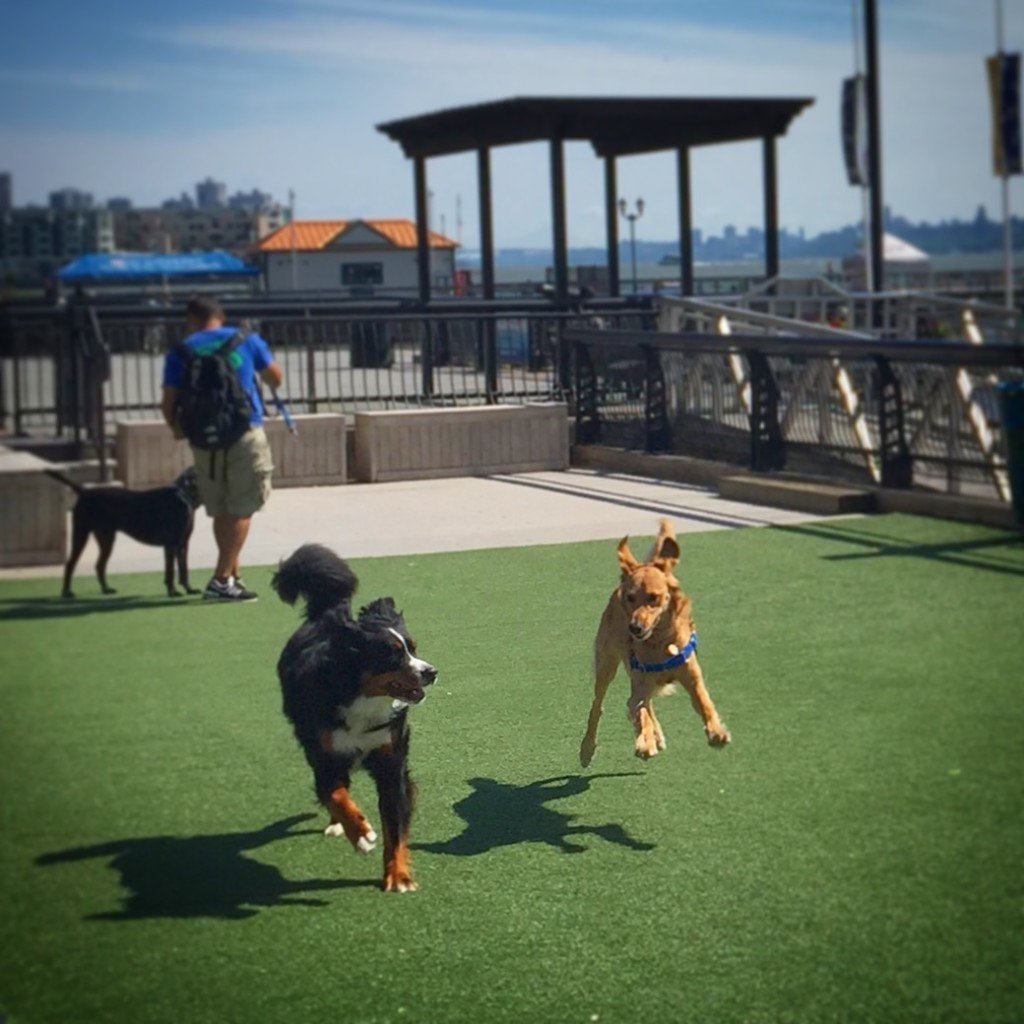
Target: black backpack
[{"x": 213, "y": 408}]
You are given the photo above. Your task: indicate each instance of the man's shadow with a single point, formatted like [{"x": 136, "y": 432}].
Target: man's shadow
[
  {"x": 501, "y": 814},
  {"x": 201, "y": 876}
]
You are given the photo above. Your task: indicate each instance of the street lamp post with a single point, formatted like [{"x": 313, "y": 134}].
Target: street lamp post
[{"x": 632, "y": 218}]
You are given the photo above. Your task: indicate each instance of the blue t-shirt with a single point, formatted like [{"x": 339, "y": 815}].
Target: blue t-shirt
[{"x": 248, "y": 359}]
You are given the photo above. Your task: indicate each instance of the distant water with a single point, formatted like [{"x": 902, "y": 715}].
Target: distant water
[{"x": 802, "y": 268}]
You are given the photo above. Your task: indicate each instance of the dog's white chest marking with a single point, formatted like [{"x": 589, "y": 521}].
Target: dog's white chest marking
[{"x": 364, "y": 713}]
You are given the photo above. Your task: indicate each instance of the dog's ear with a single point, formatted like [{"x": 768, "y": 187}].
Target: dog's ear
[
  {"x": 627, "y": 563},
  {"x": 666, "y": 554}
]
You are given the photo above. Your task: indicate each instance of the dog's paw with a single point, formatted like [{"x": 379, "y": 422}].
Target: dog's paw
[
  {"x": 398, "y": 881},
  {"x": 718, "y": 737},
  {"x": 587, "y": 748},
  {"x": 364, "y": 842},
  {"x": 192, "y": 590},
  {"x": 645, "y": 750},
  {"x": 173, "y": 593}
]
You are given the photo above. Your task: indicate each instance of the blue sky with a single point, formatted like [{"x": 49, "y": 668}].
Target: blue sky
[{"x": 144, "y": 99}]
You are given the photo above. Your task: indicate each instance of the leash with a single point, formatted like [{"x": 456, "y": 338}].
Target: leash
[
  {"x": 285, "y": 412},
  {"x": 663, "y": 666}
]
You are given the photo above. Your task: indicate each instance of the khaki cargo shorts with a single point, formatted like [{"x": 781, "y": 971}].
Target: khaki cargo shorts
[{"x": 240, "y": 482}]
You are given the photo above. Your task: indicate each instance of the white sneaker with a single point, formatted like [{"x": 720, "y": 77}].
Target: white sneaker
[{"x": 217, "y": 590}]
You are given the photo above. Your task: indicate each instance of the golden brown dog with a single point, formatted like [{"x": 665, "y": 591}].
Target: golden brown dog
[{"x": 647, "y": 626}]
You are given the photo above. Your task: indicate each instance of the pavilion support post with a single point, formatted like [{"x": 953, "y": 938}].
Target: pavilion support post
[
  {"x": 874, "y": 126},
  {"x": 771, "y": 209},
  {"x": 685, "y": 221},
  {"x": 611, "y": 218},
  {"x": 483, "y": 173},
  {"x": 558, "y": 218},
  {"x": 488, "y": 329},
  {"x": 422, "y": 228}
]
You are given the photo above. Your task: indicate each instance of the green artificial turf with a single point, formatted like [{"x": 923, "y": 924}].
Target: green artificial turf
[{"x": 854, "y": 855}]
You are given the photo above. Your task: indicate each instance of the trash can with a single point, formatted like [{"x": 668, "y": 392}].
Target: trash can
[
  {"x": 371, "y": 346},
  {"x": 1011, "y": 400}
]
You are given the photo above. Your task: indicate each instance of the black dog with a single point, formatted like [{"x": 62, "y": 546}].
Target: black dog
[
  {"x": 347, "y": 686},
  {"x": 162, "y": 516}
]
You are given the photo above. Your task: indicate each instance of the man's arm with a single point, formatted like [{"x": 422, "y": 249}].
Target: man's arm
[
  {"x": 272, "y": 376},
  {"x": 169, "y": 407}
]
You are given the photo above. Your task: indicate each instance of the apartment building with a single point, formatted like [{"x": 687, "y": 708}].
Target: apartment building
[
  {"x": 237, "y": 231},
  {"x": 36, "y": 241}
]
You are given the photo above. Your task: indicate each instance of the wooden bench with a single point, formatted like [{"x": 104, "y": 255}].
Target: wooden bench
[
  {"x": 148, "y": 456},
  {"x": 33, "y": 511},
  {"x": 415, "y": 444}
]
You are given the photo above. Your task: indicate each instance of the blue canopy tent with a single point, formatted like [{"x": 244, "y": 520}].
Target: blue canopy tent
[{"x": 139, "y": 266}]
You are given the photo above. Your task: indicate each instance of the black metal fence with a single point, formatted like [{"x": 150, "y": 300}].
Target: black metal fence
[
  {"x": 889, "y": 412},
  {"x": 74, "y": 372},
  {"x": 894, "y": 412}
]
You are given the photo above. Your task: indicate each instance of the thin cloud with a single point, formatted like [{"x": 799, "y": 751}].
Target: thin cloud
[{"x": 61, "y": 78}]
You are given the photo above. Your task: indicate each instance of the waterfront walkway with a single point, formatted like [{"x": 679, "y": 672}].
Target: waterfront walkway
[{"x": 453, "y": 514}]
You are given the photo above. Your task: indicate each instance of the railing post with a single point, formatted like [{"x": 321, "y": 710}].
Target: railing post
[
  {"x": 97, "y": 374},
  {"x": 427, "y": 361},
  {"x": 767, "y": 450},
  {"x": 73, "y": 339},
  {"x": 6, "y": 349},
  {"x": 897, "y": 465},
  {"x": 489, "y": 330},
  {"x": 588, "y": 417},
  {"x": 657, "y": 434},
  {"x": 562, "y": 353},
  {"x": 310, "y": 365}
]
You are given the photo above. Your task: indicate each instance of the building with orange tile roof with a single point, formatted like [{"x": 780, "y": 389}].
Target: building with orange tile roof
[{"x": 353, "y": 257}]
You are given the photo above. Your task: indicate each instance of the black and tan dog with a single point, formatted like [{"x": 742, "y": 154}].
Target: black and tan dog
[
  {"x": 648, "y": 627},
  {"x": 347, "y": 685},
  {"x": 162, "y": 516}
]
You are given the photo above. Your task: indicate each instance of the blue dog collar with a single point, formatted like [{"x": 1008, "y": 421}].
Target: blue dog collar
[{"x": 663, "y": 666}]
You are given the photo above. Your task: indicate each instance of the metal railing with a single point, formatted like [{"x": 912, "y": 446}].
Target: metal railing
[
  {"x": 898, "y": 413},
  {"x": 822, "y": 303},
  {"x": 73, "y": 372}
]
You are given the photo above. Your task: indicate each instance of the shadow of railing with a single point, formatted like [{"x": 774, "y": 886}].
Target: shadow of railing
[{"x": 1002, "y": 553}]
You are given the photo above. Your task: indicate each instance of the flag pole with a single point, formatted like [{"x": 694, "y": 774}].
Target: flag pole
[
  {"x": 291, "y": 229},
  {"x": 865, "y": 195},
  {"x": 1007, "y": 230}
]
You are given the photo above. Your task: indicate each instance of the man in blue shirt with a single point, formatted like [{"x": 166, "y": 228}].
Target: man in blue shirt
[{"x": 240, "y": 482}]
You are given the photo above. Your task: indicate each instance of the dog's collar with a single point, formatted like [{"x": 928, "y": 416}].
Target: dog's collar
[
  {"x": 383, "y": 725},
  {"x": 663, "y": 666}
]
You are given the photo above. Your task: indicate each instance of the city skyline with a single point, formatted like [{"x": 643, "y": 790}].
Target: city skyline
[{"x": 278, "y": 96}]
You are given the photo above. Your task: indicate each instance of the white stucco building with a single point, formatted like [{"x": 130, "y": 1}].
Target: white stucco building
[{"x": 353, "y": 258}]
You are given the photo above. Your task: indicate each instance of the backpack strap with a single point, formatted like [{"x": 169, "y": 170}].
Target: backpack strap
[{"x": 238, "y": 338}]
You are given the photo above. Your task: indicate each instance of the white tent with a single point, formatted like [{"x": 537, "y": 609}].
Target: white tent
[{"x": 898, "y": 255}]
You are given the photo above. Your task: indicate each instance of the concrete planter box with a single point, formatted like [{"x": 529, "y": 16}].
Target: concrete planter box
[
  {"x": 148, "y": 456},
  {"x": 33, "y": 512},
  {"x": 416, "y": 444}
]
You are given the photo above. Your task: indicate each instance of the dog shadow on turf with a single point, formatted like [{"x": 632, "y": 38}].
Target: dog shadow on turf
[
  {"x": 501, "y": 814},
  {"x": 56, "y": 607},
  {"x": 202, "y": 876}
]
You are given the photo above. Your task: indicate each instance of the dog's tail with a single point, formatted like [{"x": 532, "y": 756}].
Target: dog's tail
[
  {"x": 66, "y": 480},
  {"x": 317, "y": 574}
]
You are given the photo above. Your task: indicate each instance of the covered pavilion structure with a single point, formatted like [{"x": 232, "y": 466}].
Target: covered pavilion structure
[{"x": 614, "y": 127}]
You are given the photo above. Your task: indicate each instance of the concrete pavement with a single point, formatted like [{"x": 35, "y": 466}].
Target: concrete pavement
[{"x": 452, "y": 514}]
